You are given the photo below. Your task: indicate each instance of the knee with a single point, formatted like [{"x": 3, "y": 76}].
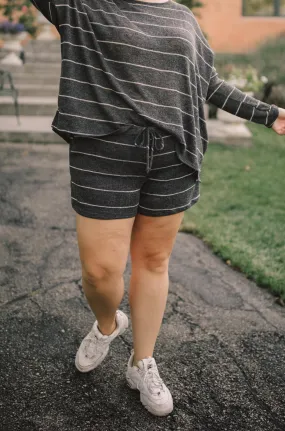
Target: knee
[
  {"x": 95, "y": 272},
  {"x": 154, "y": 262}
]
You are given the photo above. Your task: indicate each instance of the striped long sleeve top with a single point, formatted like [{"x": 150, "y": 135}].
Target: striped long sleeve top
[{"x": 135, "y": 62}]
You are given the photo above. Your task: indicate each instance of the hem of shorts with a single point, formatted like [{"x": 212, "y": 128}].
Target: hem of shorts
[
  {"x": 100, "y": 216},
  {"x": 167, "y": 212}
]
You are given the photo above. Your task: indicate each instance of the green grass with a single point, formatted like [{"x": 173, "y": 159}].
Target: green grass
[{"x": 241, "y": 213}]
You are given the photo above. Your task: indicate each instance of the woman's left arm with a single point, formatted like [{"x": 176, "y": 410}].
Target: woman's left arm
[{"x": 231, "y": 99}]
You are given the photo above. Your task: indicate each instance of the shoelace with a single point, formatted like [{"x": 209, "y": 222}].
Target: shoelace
[{"x": 153, "y": 381}]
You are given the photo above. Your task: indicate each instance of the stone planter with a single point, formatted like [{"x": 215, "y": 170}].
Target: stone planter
[{"x": 230, "y": 118}]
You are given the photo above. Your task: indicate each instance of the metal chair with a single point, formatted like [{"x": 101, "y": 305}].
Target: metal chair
[{"x": 7, "y": 88}]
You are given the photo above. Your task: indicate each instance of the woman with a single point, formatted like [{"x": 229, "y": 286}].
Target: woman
[{"x": 135, "y": 77}]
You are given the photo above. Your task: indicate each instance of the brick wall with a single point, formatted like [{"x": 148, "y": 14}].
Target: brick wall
[{"x": 229, "y": 31}]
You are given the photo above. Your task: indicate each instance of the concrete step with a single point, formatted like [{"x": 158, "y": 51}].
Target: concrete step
[
  {"x": 38, "y": 130},
  {"x": 43, "y": 57},
  {"x": 33, "y": 76},
  {"x": 41, "y": 91},
  {"x": 35, "y": 79},
  {"x": 28, "y": 106},
  {"x": 40, "y": 46},
  {"x": 232, "y": 134},
  {"x": 33, "y": 68},
  {"x": 32, "y": 129}
]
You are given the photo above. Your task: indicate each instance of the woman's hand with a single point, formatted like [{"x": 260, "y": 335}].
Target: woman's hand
[{"x": 279, "y": 123}]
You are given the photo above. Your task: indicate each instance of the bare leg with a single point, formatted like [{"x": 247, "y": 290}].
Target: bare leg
[
  {"x": 151, "y": 246},
  {"x": 103, "y": 249}
]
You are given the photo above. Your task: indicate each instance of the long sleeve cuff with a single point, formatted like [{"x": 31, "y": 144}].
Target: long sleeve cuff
[{"x": 273, "y": 115}]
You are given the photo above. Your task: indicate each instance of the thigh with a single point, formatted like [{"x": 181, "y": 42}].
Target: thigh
[
  {"x": 154, "y": 237},
  {"x": 103, "y": 244}
]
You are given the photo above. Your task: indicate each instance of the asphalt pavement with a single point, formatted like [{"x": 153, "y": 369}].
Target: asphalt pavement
[{"x": 220, "y": 350}]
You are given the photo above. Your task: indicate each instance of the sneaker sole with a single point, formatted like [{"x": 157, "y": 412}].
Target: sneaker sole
[
  {"x": 93, "y": 366},
  {"x": 155, "y": 412}
]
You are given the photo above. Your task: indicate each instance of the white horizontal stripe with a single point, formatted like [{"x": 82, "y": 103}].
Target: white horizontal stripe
[
  {"x": 70, "y": 7},
  {"x": 200, "y": 152},
  {"x": 216, "y": 74},
  {"x": 102, "y": 206},
  {"x": 216, "y": 90},
  {"x": 188, "y": 151},
  {"x": 228, "y": 98},
  {"x": 252, "y": 114},
  {"x": 167, "y": 107},
  {"x": 128, "y": 145},
  {"x": 160, "y": 16},
  {"x": 162, "y": 122},
  {"x": 103, "y": 173},
  {"x": 172, "y": 179},
  {"x": 111, "y": 142},
  {"x": 92, "y": 119},
  {"x": 107, "y": 158},
  {"x": 81, "y": 46},
  {"x": 241, "y": 104},
  {"x": 166, "y": 167},
  {"x": 268, "y": 116},
  {"x": 164, "y": 154},
  {"x": 94, "y": 101},
  {"x": 123, "y": 80},
  {"x": 91, "y": 135},
  {"x": 105, "y": 190},
  {"x": 72, "y": 26},
  {"x": 171, "y": 194},
  {"x": 169, "y": 209},
  {"x": 192, "y": 134}
]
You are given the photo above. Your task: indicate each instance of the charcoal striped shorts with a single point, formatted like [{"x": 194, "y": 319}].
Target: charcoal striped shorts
[{"x": 129, "y": 171}]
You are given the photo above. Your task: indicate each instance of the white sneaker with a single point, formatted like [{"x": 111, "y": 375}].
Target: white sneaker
[
  {"x": 154, "y": 395},
  {"x": 95, "y": 345}
]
